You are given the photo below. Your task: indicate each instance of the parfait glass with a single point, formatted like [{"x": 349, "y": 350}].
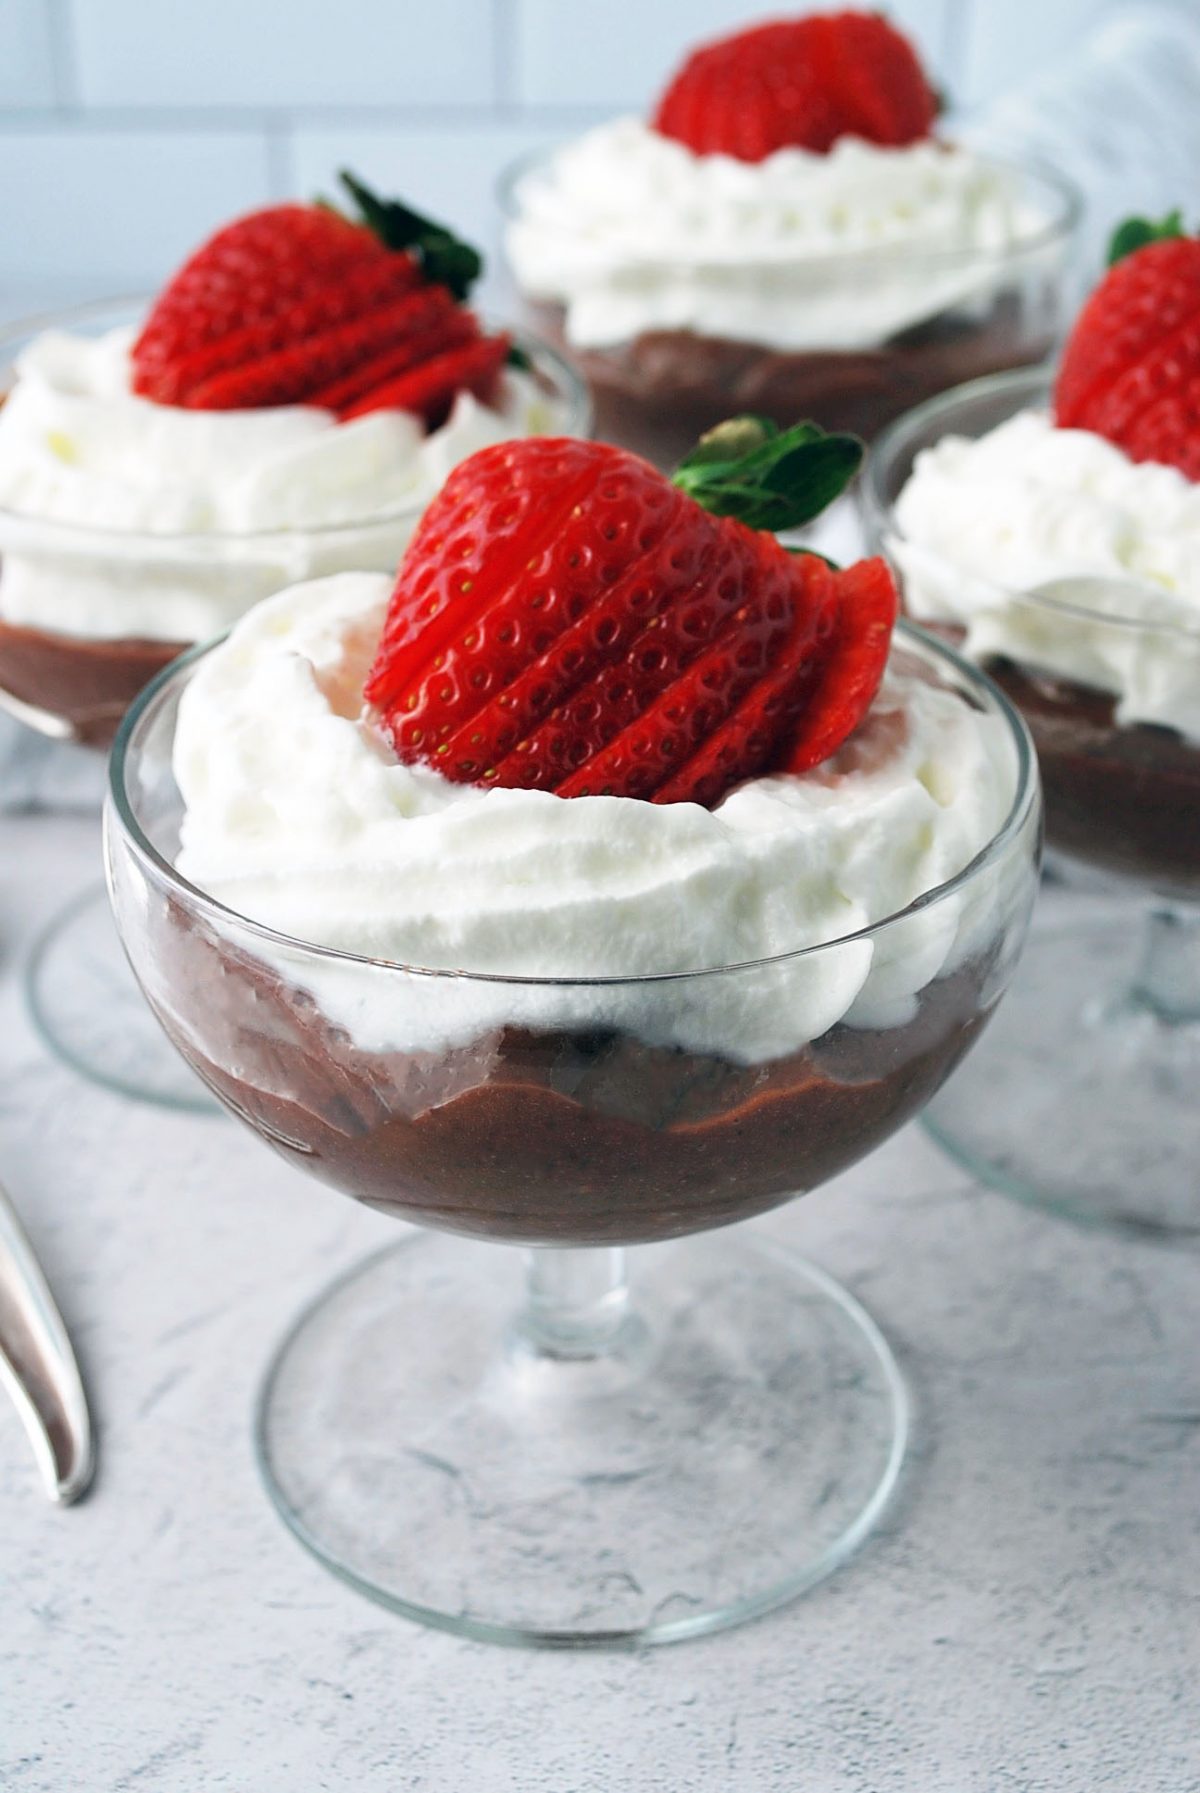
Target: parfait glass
[
  {"x": 658, "y": 391},
  {"x": 546, "y": 1444},
  {"x": 76, "y": 686},
  {"x": 1083, "y": 1098}
]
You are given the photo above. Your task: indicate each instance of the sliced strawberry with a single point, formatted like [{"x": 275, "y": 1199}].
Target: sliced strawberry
[
  {"x": 867, "y": 605},
  {"x": 568, "y": 620},
  {"x": 295, "y": 373},
  {"x": 285, "y": 305},
  {"x": 799, "y": 83},
  {"x": 429, "y": 390},
  {"x": 178, "y": 369},
  {"x": 695, "y": 704},
  {"x": 1166, "y": 368},
  {"x": 260, "y": 266},
  {"x": 749, "y": 740},
  {"x": 697, "y": 600},
  {"x": 1132, "y": 362},
  {"x": 488, "y": 529},
  {"x": 543, "y": 638},
  {"x": 1168, "y": 431},
  {"x": 449, "y": 331},
  {"x": 881, "y": 89}
]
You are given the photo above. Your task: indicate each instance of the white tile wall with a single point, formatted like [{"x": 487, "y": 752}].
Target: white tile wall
[
  {"x": 26, "y": 54},
  {"x": 284, "y": 53},
  {"x": 449, "y": 171},
  {"x": 129, "y": 127},
  {"x": 120, "y": 205}
]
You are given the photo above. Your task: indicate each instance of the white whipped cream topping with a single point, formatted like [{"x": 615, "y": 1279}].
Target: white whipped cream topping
[
  {"x": 298, "y": 816},
  {"x": 268, "y": 496},
  {"x": 631, "y": 231},
  {"x": 1029, "y": 506}
]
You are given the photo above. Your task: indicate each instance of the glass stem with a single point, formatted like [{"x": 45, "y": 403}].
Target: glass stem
[
  {"x": 576, "y": 1300},
  {"x": 1168, "y": 979}
]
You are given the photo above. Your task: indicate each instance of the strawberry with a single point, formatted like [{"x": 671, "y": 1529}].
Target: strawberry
[
  {"x": 799, "y": 83},
  {"x": 297, "y": 304},
  {"x": 1131, "y": 367},
  {"x": 568, "y": 619}
]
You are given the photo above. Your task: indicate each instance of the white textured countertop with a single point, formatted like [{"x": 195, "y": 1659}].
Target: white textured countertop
[{"x": 1026, "y": 1619}]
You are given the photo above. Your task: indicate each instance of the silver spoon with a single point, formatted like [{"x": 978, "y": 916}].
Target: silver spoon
[{"x": 38, "y": 1367}]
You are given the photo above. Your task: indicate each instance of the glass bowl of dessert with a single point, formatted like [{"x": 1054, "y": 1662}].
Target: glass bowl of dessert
[
  {"x": 1063, "y": 560},
  {"x": 155, "y": 482},
  {"x": 830, "y": 259},
  {"x": 131, "y": 530},
  {"x": 614, "y": 877}
]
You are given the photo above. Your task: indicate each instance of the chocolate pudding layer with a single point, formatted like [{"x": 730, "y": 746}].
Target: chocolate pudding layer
[
  {"x": 559, "y": 1138},
  {"x": 664, "y": 389},
  {"x": 88, "y": 683},
  {"x": 1124, "y": 797}
]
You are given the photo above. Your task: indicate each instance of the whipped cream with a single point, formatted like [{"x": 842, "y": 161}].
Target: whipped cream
[
  {"x": 630, "y": 231},
  {"x": 120, "y": 518},
  {"x": 298, "y": 816},
  {"x": 1112, "y": 546}
]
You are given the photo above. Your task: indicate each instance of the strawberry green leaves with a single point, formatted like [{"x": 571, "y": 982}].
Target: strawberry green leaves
[
  {"x": 768, "y": 478},
  {"x": 1135, "y": 233},
  {"x": 443, "y": 256}
]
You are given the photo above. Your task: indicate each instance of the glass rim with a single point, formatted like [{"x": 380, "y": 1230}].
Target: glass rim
[
  {"x": 1023, "y": 385},
  {"x": 1059, "y": 227},
  {"x": 119, "y": 807},
  {"x": 547, "y": 360}
]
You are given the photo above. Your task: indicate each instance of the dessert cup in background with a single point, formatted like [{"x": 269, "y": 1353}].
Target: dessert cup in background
[
  {"x": 845, "y": 286},
  {"x": 1069, "y": 573},
  {"x": 598, "y": 1462},
  {"x": 130, "y": 530}
]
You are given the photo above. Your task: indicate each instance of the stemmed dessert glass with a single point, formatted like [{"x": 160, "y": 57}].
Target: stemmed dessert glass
[
  {"x": 77, "y": 688},
  {"x": 1083, "y": 1099},
  {"x": 603, "y": 1458},
  {"x": 997, "y": 308}
]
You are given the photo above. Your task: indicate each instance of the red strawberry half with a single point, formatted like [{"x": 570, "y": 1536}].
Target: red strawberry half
[
  {"x": 799, "y": 83},
  {"x": 568, "y": 619},
  {"x": 1131, "y": 367},
  {"x": 297, "y": 304}
]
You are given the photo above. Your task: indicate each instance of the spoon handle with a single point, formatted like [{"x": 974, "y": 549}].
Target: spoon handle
[{"x": 38, "y": 1366}]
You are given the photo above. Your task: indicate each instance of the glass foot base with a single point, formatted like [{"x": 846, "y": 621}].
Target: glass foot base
[
  {"x": 87, "y": 1007},
  {"x": 1077, "y": 1098},
  {"x": 735, "y": 1448}
]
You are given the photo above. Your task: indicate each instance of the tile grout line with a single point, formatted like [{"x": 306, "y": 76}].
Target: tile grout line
[
  {"x": 504, "y": 56},
  {"x": 957, "y": 30},
  {"x": 63, "y": 64}
]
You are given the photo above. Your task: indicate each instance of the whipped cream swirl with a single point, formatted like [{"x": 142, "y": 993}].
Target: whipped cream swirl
[
  {"x": 298, "y": 816},
  {"x": 630, "y": 231},
  {"x": 120, "y": 518},
  {"x": 1109, "y": 548}
]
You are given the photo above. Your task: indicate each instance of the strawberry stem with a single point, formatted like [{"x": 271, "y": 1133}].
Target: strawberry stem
[
  {"x": 1135, "y": 233},
  {"x": 443, "y": 256},
  {"x": 766, "y": 477}
]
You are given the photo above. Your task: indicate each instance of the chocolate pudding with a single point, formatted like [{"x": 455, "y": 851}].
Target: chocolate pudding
[
  {"x": 563, "y": 1138},
  {"x": 664, "y": 389},
  {"x": 87, "y": 683},
  {"x": 1124, "y": 797}
]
